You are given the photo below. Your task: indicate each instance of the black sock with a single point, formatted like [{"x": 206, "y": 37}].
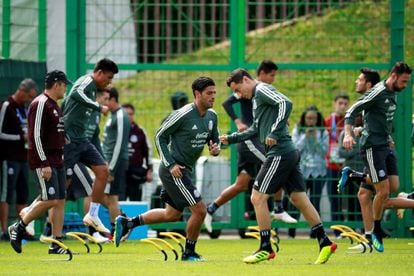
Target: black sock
[
  {"x": 112, "y": 228},
  {"x": 265, "y": 240},
  {"x": 368, "y": 236},
  {"x": 278, "y": 208},
  {"x": 321, "y": 236},
  {"x": 377, "y": 230},
  {"x": 48, "y": 229},
  {"x": 410, "y": 195},
  {"x": 135, "y": 221},
  {"x": 21, "y": 226},
  {"x": 190, "y": 246},
  {"x": 212, "y": 207}
]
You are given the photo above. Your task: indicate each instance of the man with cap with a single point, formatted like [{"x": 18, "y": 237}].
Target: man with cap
[
  {"x": 45, "y": 157},
  {"x": 13, "y": 143}
]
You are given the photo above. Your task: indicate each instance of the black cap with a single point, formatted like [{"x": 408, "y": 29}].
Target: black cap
[{"x": 56, "y": 75}]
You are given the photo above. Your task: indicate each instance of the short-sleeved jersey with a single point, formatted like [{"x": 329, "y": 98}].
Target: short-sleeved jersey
[
  {"x": 13, "y": 127},
  {"x": 379, "y": 105},
  {"x": 115, "y": 139},
  {"x": 271, "y": 110},
  {"x": 46, "y": 133},
  {"x": 182, "y": 136},
  {"x": 78, "y": 107}
]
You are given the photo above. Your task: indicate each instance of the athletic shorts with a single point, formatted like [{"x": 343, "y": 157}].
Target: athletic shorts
[
  {"x": 178, "y": 192},
  {"x": 55, "y": 187},
  {"x": 280, "y": 171},
  {"x": 380, "y": 162},
  {"x": 250, "y": 157},
  {"x": 119, "y": 173},
  {"x": 82, "y": 152},
  {"x": 81, "y": 184},
  {"x": 14, "y": 181}
]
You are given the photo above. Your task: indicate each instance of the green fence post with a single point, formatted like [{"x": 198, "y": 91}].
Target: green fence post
[
  {"x": 404, "y": 110},
  {"x": 42, "y": 30},
  {"x": 6, "y": 29}
]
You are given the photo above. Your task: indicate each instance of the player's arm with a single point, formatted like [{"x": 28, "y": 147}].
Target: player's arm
[
  {"x": 279, "y": 123},
  {"x": 83, "y": 95},
  {"x": 214, "y": 141},
  {"x": 162, "y": 137},
  {"x": 237, "y": 137},
  {"x": 4, "y": 111},
  {"x": 37, "y": 123},
  {"x": 228, "y": 107}
]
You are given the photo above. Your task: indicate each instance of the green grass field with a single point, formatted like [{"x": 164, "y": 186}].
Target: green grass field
[{"x": 223, "y": 257}]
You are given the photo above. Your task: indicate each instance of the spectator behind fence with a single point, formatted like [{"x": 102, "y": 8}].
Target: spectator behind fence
[
  {"x": 13, "y": 144},
  {"x": 311, "y": 139},
  {"x": 140, "y": 163},
  {"x": 335, "y": 124}
]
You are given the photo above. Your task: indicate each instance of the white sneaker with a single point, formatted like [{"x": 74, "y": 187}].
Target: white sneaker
[
  {"x": 284, "y": 216},
  {"x": 96, "y": 223},
  {"x": 99, "y": 238},
  {"x": 42, "y": 237},
  {"x": 207, "y": 222}
]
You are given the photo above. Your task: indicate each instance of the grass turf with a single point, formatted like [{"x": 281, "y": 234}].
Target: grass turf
[{"x": 223, "y": 257}]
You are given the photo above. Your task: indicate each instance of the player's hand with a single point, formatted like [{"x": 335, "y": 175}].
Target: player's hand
[
  {"x": 270, "y": 142},
  {"x": 224, "y": 139},
  {"x": 240, "y": 126},
  {"x": 46, "y": 173},
  {"x": 213, "y": 148},
  {"x": 348, "y": 142},
  {"x": 104, "y": 110},
  {"x": 148, "y": 177},
  {"x": 176, "y": 171}
]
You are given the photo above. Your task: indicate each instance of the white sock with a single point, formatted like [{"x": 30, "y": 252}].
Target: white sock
[{"x": 94, "y": 209}]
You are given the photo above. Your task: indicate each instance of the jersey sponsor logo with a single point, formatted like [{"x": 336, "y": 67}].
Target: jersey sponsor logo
[
  {"x": 203, "y": 135},
  {"x": 194, "y": 127}
]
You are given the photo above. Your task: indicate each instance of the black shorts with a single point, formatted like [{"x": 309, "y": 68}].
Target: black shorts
[
  {"x": 251, "y": 155},
  {"x": 281, "y": 171},
  {"x": 114, "y": 188},
  {"x": 179, "y": 192},
  {"x": 55, "y": 187},
  {"x": 14, "y": 182},
  {"x": 82, "y": 152},
  {"x": 81, "y": 184},
  {"x": 380, "y": 162}
]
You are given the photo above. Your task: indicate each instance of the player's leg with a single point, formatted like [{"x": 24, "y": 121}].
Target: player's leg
[{"x": 365, "y": 201}]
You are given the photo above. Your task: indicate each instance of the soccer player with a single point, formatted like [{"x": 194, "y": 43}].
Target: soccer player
[
  {"x": 45, "y": 156},
  {"x": 79, "y": 105},
  {"x": 250, "y": 152},
  {"x": 13, "y": 144},
  {"x": 271, "y": 110},
  {"x": 180, "y": 141},
  {"x": 115, "y": 149},
  {"x": 379, "y": 105}
]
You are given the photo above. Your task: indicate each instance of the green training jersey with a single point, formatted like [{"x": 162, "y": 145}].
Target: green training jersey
[
  {"x": 115, "y": 138},
  {"x": 78, "y": 107},
  {"x": 182, "y": 136},
  {"x": 379, "y": 105},
  {"x": 271, "y": 110}
]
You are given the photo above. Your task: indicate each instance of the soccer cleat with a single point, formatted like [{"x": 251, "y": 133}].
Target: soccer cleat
[
  {"x": 207, "y": 222},
  {"x": 192, "y": 256},
  {"x": 96, "y": 223},
  {"x": 16, "y": 237},
  {"x": 56, "y": 249},
  {"x": 325, "y": 253},
  {"x": 259, "y": 256},
  {"x": 343, "y": 181},
  {"x": 99, "y": 238},
  {"x": 121, "y": 229},
  {"x": 284, "y": 216},
  {"x": 377, "y": 244}
]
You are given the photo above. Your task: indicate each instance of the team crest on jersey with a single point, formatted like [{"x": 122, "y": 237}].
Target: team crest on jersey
[
  {"x": 196, "y": 193},
  {"x": 51, "y": 191},
  {"x": 210, "y": 125},
  {"x": 55, "y": 113},
  {"x": 133, "y": 138},
  {"x": 381, "y": 173}
]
